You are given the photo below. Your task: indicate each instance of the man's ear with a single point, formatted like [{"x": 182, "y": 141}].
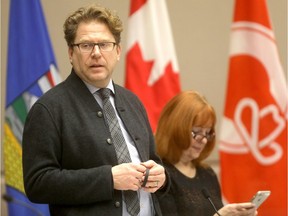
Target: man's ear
[
  {"x": 119, "y": 49},
  {"x": 70, "y": 53}
]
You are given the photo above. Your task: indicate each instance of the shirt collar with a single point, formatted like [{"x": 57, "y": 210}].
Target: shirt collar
[{"x": 94, "y": 89}]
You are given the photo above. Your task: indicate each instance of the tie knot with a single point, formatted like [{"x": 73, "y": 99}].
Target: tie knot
[{"x": 104, "y": 93}]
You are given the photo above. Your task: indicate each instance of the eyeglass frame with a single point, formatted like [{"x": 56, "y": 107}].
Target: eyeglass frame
[
  {"x": 209, "y": 136},
  {"x": 94, "y": 44}
]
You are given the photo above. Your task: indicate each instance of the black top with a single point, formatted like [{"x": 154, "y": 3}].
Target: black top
[{"x": 185, "y": 196}]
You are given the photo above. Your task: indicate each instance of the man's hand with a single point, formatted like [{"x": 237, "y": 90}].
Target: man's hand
[
  {"x": 128, "y": 176},
  {"x": 156, "y": 178}
]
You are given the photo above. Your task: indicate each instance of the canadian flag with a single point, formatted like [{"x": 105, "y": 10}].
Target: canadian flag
[
  {"x": 253, "y": 139},
  {"x": 152, "y": 71}
]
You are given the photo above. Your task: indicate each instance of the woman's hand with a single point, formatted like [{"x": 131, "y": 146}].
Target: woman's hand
[{"x": 238, "y": 209}]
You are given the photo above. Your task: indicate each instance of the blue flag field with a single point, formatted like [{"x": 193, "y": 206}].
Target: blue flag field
[{"x": 31, "y": 71}]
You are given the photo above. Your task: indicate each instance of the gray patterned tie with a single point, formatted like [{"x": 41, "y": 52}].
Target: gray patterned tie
[{"x": 130, "y": 197}]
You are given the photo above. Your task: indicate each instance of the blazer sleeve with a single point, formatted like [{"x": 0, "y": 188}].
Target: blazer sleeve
[{"x": 46, "y": 180}]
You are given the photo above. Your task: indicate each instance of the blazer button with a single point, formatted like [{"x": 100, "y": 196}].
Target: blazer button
[
  {"x": 117, "y": 204},
  {"x": 109, "y": 141},
  {"x": 99, "y": 114}
]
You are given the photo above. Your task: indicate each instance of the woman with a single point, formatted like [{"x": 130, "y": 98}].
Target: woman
[{"x": 185, "y": 137}]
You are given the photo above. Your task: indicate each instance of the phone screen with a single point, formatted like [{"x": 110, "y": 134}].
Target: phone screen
[{"x": 260, "y": 197}]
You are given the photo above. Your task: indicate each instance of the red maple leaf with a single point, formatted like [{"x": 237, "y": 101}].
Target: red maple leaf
[
  {"x": 153, "y": 97},
  {"x": 135, "y": 5}
]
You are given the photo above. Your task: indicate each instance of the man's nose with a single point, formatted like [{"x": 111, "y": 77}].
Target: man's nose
[{"x": 96, "y": 51}]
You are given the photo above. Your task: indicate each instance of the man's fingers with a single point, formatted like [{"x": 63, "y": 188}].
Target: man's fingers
[{"x": 146, "y": 177}]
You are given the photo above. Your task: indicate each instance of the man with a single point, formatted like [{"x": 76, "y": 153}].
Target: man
[{"x": 71, "y": 158}]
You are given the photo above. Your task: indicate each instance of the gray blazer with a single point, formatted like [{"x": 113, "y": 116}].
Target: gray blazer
[{"x": 66, "y": 157}]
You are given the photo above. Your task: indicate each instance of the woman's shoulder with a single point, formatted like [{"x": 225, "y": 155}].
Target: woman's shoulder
[
  {"x": 206, "y": 171},
  {"x": 171, "y": 169},
  {"x": 167, "y": 165}
]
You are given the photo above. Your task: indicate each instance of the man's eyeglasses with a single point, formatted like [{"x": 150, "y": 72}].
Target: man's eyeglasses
[
  {"x": 199, "y": 136},
  {"x": 88, "y": 47}
]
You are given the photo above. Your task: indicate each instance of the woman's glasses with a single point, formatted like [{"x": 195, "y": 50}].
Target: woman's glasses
[{"x": 198, "y": 136}]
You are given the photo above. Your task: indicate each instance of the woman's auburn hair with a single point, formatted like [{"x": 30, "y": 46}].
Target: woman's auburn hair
[{"x": 184, "y": 111}]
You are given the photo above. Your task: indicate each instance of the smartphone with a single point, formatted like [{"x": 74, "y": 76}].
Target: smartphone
[{"x": 260, "y": 197}]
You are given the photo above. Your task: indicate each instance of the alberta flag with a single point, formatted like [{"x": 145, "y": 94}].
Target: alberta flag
[
  {"x": 31, "y": 71},
  {"x": 152, "y": 70}
]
